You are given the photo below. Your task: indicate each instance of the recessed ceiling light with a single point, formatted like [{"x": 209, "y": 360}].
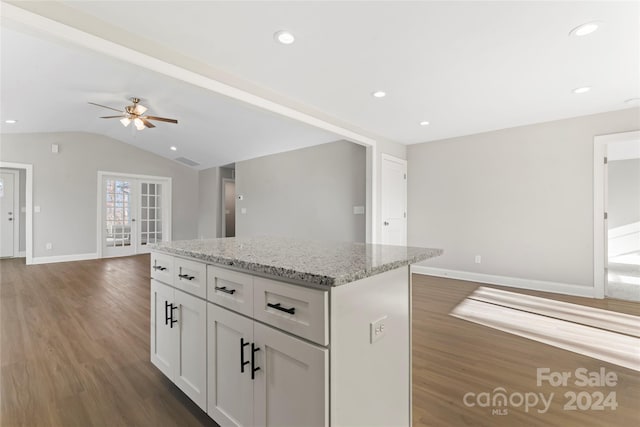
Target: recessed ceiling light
[
  {"x": 379, "y": 94},
  {"x": 424, "y": 123},
  {"x": 632, "y": 101},
  {"x": 585, "y": 29},
  {"x": 11, "y": 121},
  {"x": 583, "y": 89},
  {"x": 284, "y": 37},
  {"x": 172, "y": 148}
]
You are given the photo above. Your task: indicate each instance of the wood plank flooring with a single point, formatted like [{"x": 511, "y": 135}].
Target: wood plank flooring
[
  {"x": 74, "y": 348},
  {"x": 74, "y": 351},
  {"x": 452, "y": 357}
]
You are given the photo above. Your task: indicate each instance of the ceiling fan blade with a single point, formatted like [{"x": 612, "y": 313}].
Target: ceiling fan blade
[
  {"x": 146, "y": 122},
  {"x": 161, "y": 119},
  {"x": 112, "y": 117},
  {"x": 104, "y": 106}
]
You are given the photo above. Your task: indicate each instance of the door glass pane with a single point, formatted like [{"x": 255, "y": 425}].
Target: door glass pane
[
  {"x": 150, "y": 213},
  {"x": 117, "y": 213}
]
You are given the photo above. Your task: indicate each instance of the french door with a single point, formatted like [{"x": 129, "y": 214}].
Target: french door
[{"x": 135, "y": 213}]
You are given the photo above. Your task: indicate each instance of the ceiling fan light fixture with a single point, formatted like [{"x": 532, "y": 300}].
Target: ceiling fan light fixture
[
  {"x": 139, "y": 124},
  {"x": 139, "y": 110},
  {"x": 125, "y": 121}
]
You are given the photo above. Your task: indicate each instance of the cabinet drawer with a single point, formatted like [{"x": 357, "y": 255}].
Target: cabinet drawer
[
  {"x": 230, "y": 289},
  {"x": 162, "y": 267},
  {"x": 190, "y": 276},
  {"x": 296, "y": 309}
]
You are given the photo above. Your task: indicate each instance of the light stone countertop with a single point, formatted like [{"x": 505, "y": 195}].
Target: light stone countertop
[{"x": 300, "y": 261}]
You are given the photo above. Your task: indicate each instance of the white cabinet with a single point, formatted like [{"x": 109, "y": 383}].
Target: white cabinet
[
  {"x": 260, "y": 376},
  {"x": 292, "y": 386},
  {"x": 190, "y": 276},
  {"x": 253, "y": 351},
  {"x": 178, "y": 345},
  {"x": 230, "y": 289},
  {"x": 162, "y": 267},
  {"x": 230, "y": 389},
  {"x": 292, "y": 308},
  {"x": 163, "y": 337}
]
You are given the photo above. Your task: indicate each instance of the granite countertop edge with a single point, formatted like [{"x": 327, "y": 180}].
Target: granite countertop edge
[{"x": 295, "y": 275}]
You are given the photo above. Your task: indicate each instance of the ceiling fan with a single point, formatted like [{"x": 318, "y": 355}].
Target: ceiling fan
[{"x": 134, "y": 113}]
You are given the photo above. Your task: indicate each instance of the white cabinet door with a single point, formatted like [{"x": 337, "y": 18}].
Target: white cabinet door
[
  {"x": 191, "y": 368},
  {"x": 229, "y": 338},
  {"x": 291, "y": 387},
  {"x": 163, "y": 337}
]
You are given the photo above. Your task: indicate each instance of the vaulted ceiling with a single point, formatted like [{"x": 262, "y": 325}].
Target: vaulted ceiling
[{"x": 465, "y": 67}]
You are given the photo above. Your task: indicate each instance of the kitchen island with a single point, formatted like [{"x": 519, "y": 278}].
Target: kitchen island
[{"x": 283, "y": 332}]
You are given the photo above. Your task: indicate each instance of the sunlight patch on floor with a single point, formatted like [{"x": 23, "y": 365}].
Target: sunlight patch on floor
[{"x": 602, "y": 334}]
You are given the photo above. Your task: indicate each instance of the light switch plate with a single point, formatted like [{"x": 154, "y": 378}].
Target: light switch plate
[{"x": 377, "y": 329}]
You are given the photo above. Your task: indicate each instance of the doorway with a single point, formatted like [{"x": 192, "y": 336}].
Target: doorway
[
  {"x": 134, "y": 212},
  {"x": 393, "y": 194},
  {"x": 617, "y": 224},
  {"x": 228, "y": 207}
]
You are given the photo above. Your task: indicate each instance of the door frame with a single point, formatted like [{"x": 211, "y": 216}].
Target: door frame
[
  {"x": 16, "y": 209},
  {"x": 100, "y": 195},
  {"x": 600, "y": 143},
  {"x": 383, "y": 157},
  {"x": 28, "y": 229}
]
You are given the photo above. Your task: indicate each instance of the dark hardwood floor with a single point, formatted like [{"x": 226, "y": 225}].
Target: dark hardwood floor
[
  {"x": 74, "y": 348},
  {"x": 452, "y": 357},
  {"x": 74, "y": 351}
]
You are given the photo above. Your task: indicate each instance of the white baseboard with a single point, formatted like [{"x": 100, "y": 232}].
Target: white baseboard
[
  {"x": 513, "y": 282},
  {"x": 22, "y": 254},
  {"x": 63, "y": 258}
]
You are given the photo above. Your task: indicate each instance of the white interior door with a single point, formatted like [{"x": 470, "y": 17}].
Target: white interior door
[
  {"x": 7, "y": 214},
  {"x": 394, "y": 200}
]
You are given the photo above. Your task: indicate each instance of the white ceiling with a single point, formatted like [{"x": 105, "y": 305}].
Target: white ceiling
[{"x": 466, "y": 67}]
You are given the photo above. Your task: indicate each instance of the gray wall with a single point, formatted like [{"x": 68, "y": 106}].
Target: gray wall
[
  {"x": 624, "y": 192},
  {"x": 522, "y": 198},
  {"x": 65, "y": 186},
  {"x": 209, "y": 203},
  {"x": 308, "y": 193}
]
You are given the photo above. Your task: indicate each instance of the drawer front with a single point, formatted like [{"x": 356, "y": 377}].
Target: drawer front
[
  {"x": 295, "y": 309},
  {"x": 190, "y": 276},
  {"x": 162, "y": 267},
  {"x": 230, "y": 289}
]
